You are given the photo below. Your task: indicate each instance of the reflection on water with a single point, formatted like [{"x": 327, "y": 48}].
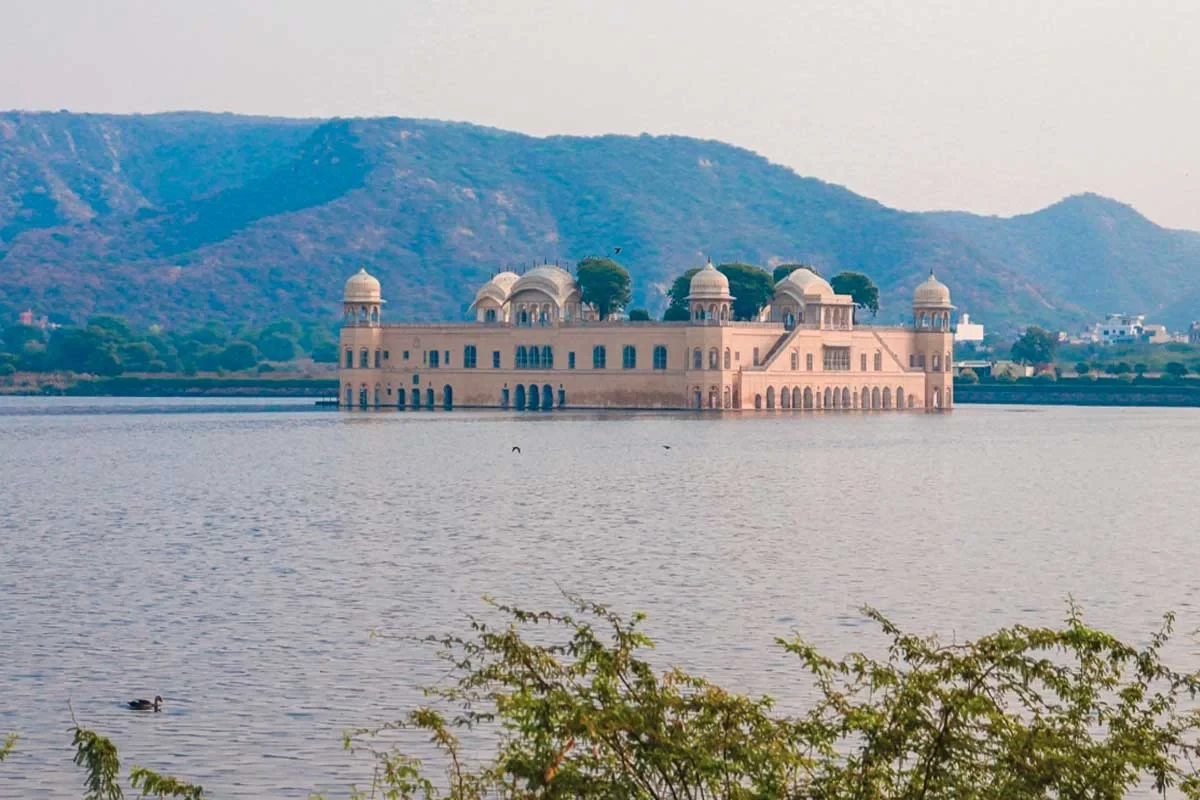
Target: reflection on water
[{"x": 235, "y": 561}]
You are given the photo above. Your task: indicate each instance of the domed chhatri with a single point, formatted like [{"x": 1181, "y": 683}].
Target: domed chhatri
[
  {"x": 709, "y": 284},
  {"x": 362, "y": 287},
  {"x": 932, "y": 293},
  {"x": 807, "y": 282},
  {"x": 533, "y": 343}
]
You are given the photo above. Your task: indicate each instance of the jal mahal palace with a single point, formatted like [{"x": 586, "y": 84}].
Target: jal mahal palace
[{"x": 535, "y": 345}]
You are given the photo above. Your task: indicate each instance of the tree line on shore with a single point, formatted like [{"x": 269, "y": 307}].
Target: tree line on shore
[
  {"x": 569, "y": 706},
  {"x": 109, "y": 346}
]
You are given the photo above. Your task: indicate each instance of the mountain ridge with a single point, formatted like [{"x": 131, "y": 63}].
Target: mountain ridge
[{"x": 188, "y": 216}]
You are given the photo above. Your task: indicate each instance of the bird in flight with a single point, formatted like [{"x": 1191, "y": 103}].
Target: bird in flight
[
  {"x": 666, "y": 447},
  {"x": 516, "y": 449},
  {"x": 616, "y": 251}
]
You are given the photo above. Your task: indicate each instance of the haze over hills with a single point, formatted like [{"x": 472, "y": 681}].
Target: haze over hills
[{"x": 185, "y": 217}]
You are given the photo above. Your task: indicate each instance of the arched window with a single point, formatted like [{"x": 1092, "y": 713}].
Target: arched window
[
  {"x": 770, "y": 397},
  {"x": 349, "y": 395},
  {"x": 697, "y": 359},
  {"x": 808, "y": 362},
  {"x": 878, "y": 362},
  {"x": 628, "y": 357},
  {"x": 489, "y": 315},
  {"x": 785, "y": 398},
  {"x": 547, "y": 397},
  {"x": 504, "y": 397},
  {"x": 520, "y": 402},
  {"x": 924, "y": 320},
  {"x": 728, "y": 359},
  {"x": 697, "y": 398},
  {"x": 845, "y": 397},
  {"x": 714, "y": 358},
  {"x": 789, "y": 320},
  {"x": 429, "y": 397},
  {"x": 828, "y": 399},
  {"x": 349, "y": 358},
  {"x": 523, "y": 317},
  {"x": 937, "y": 363},
  {"x": 378, "y": 357},
  {"x": 533, "y": 397},
  {"x": 899, "y": 397},
  {"x": 795, "y": 361},
  {"x": 875, "y": 399},
  {"x": 401, "y": 398},
  {"x": 712, "y": 312},
  {"x": 808, "y": 397},
  {"x": 948, "y": 364},
  {"x": 535, "y": 357},
  {"x": 724, "y": 313},
  {"x": 364, "y": 358},
  {"x": 448, "y": 397},
  {"x": 887, "y": 397},
  {"x": 757, "y": 401},
  {"x": 469, "y": 356},
  {"x": 863, "y": 362},
  {"x": 522, "y": 358},
  {"x": 374, "y": 315},
  {"x": 599, "y": 357},
  {"x": 660, "y": 357},
  {"x": 937, "y": 321},
  {"x": 547, "y": 357},
  {"x": 796, "y": 401},
  {"x": 727, "y": 398}
]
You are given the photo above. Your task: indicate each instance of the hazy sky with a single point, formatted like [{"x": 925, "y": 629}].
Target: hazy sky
[{"x": 995, "y": 107}]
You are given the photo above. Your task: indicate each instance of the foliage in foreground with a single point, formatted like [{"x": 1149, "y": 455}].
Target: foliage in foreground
[
  {"x": 573, "y": 710},
  {"x": 1024, "y": 712}
]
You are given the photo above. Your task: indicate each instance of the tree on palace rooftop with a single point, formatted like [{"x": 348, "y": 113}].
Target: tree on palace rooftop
[
  {"x": 750, "y": 286},
  {"x": 783, "y": 270},
  {"x": 860, "y": 287},
  {"x": 603, "y": 284}
]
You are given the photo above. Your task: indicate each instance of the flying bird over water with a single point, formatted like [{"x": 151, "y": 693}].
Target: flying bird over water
[
  {"x": 666, "y": 447},
  {"x": 516, "y": 449},
  {"x": 616, "y": 251}
]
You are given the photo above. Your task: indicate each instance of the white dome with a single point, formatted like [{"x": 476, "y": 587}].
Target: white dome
[
  {"x": 362, "y": 287},
  {"x": 804, "y": 281},
  {"x": 554, "y": 281},
  {"x": 709, "y": 284},
  {"x": 932, "y": 292},
  {"x": 498, "y": 288}
]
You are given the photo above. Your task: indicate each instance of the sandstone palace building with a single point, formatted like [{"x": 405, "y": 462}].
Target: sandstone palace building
[{"x": 535, "y": 344}]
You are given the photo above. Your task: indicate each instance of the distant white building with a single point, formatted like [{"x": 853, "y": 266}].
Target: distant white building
[
  {"x": 966, "y": 331},
  {"x": 1156, "y": 334},
  {"x": 1119, "y": 329}
]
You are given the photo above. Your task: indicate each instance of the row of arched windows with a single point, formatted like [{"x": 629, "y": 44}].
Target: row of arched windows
[
  {"x": 629, "y": 358},
  {"x": 367, "y": 398},
  {"x": 715, "y": 359},
  {"x": 532, "y": 398},
  {"x": 870, "y": 398},
  {"x": 534, "y": 357},
  {"x": 938, "y": 320}
]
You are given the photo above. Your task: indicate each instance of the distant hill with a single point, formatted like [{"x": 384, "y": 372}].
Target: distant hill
[{"x": 182, "y": 217}]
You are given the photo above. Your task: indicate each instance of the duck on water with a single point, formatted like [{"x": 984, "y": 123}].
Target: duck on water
[{"x": 146, "y": 705}]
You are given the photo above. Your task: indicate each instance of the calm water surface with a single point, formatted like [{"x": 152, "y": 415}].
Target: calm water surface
[{"x": 233, "y": 556}]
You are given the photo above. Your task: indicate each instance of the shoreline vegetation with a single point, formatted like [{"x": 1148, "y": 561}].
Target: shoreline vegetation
[{"x": 570, "y": 707}]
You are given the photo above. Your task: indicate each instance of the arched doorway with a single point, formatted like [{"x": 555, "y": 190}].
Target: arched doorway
[
  {"x": 726, "y": 397},
  {"x": 401, "y": 398},
  {"x": 520, "y": 404},
  {"x": 887, "y": 397},
  {"x": 697, "y": 396},
  {"x": 797, "y": 398},
  {"x": 362, "y": 396},
  {"x": 448, "y": 397},
  {"x": 429, "y": 398},
  {"x": 875, "y": 398},
  {"x": 785, "y": 397},
  {"x": 349, "y": 396},
  {"x": 900, "y": 397},
  {"x": 937, "y": 398},
  {"x": 828, "y": 398},
  {"x": 416, "y": 399},
  {"x": 846, "y": 401},
  {"x": 808, "y": 398},
  {"x": 757, "y": 402},
  {"x": 547, "y": 397},
  {"x": 533, "y": 396},
  {"x": 770, "y": 397},
  {"x": 378, "y": 395},
  {"x": 504, "y": 398}
]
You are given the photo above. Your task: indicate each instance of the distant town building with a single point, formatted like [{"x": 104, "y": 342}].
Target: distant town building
[
  {"x": 1119, "y": 329},
  {"x": 1155, "y": 334},
  {"x": 1193, "y": 336},
  {"x": 26, "y": 317},
  {"x": 967, "y": 332}
]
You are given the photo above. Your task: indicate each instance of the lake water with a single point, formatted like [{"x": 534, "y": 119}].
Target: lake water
[{"x": 233, "y": 556}]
